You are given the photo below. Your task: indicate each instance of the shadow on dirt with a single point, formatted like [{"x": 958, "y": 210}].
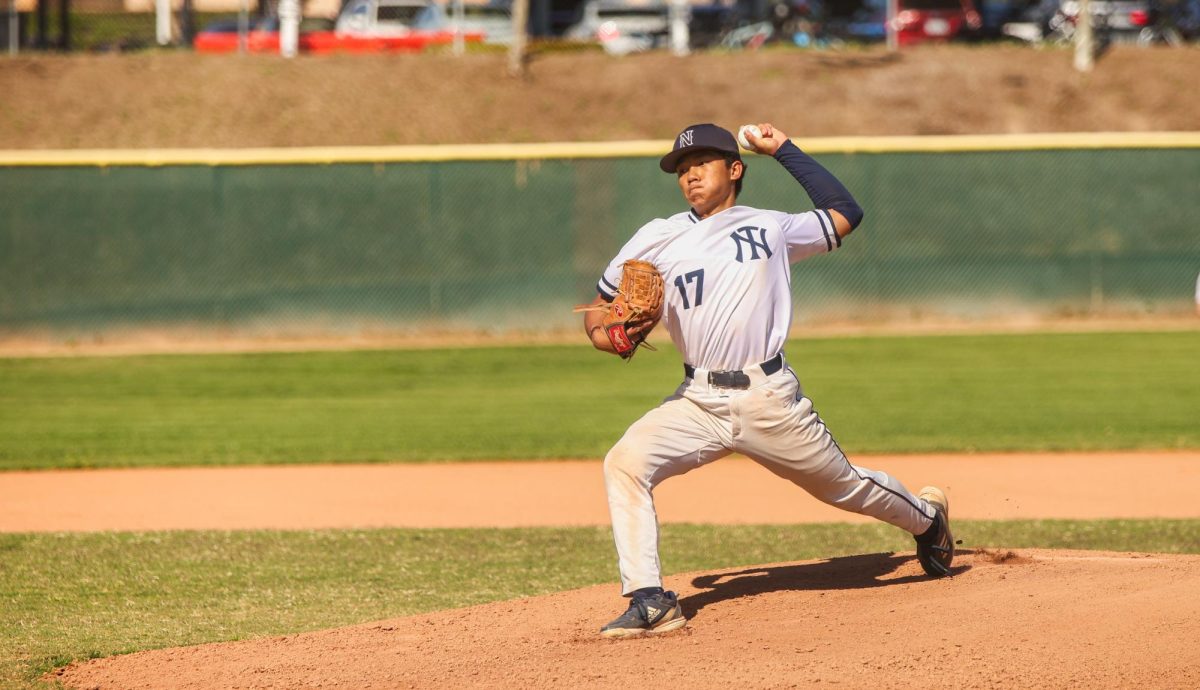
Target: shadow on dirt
[{"x": 845, "y": 572}]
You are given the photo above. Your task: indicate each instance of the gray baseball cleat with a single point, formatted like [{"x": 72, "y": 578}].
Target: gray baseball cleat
[
  {"x": 935, "y": 548},
  {"x": 648, "y": 614}
]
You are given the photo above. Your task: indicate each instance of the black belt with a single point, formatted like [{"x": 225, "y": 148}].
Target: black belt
[{"x": 736, "y": 379}]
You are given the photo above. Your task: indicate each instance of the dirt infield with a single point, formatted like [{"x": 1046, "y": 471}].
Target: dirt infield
[
  {"x": 515, "y": 494},
  {"x": 1036, "y": 619},
  {"x": 1006, "y": 619}
]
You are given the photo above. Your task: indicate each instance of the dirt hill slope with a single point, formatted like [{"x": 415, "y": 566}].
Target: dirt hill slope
[
  {"x": 183, "y": 100},
  {"x": 1034, "y": 619}
]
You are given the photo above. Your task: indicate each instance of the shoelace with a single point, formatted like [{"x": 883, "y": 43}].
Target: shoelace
[{"x": 640, "y": 603}]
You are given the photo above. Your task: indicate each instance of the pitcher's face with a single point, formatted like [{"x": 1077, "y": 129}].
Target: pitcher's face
[{"x": 706, "y": 181}]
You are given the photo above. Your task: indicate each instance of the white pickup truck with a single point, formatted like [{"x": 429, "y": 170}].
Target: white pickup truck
[
  {"x": 389, "y": 17},
  {"x": 490, "y": 22}
]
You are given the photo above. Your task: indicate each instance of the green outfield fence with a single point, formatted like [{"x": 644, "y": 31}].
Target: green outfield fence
[{"x": 510, "y": 237}]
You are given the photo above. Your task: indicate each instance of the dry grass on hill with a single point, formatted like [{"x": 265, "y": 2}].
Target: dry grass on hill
[{"x": 158, "y": 100}]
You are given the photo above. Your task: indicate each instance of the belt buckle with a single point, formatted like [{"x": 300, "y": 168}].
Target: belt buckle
[{"x": 729, "y": 379}]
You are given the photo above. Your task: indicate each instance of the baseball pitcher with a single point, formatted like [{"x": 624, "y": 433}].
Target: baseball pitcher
[{"x": 718, "y": 277}]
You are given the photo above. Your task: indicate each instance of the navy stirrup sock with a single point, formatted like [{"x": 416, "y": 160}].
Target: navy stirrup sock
[{"x": 647, "y": 592}]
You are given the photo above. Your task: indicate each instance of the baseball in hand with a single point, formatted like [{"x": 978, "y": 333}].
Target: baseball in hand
[{"x": 741, "y": 136}]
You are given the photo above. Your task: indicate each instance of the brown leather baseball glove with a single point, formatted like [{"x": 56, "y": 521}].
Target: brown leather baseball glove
[{"x": 639, "y": 302}]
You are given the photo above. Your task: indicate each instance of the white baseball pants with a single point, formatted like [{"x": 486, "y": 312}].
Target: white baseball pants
[{"x": 771, "y": 423}]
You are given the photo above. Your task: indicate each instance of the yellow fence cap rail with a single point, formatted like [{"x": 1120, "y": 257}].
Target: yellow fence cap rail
[{"x": 569, "y": 150}]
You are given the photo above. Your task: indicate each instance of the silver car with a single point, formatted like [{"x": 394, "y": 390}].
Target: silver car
[
  {"x": 1122, "y": 20},
  {"x": 493, "y": 20},
  {"x": 622, "y": 27},
  {"x": 1054, "y": 21}
]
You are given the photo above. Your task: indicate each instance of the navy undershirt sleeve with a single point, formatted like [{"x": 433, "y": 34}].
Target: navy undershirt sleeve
[{"x": 823, "y": 188}]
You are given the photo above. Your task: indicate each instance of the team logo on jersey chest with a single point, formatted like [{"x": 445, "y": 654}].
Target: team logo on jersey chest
[{"x": 744, "y": 237}]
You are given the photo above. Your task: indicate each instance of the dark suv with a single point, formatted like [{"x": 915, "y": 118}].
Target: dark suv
[{"x": 917, "y": 21}]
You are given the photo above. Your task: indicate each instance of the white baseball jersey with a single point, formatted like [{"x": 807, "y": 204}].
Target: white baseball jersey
[
  {"x": 728, "y": 306},
  {"x": 727, "y": 297}
]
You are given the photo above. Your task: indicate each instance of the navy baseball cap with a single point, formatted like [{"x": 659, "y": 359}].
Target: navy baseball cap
[{"x": 702, "y": 137}]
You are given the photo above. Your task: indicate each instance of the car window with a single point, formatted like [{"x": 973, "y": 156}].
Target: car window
[
  {"x": 399, "y": 14},
  {"x": 316, "y": 24},
  {"x": 931, "y": 4},
  {"x": 484, "y": 12},
  {"x": 221, "y": 26},
  {"x": 632, "y": 12}
]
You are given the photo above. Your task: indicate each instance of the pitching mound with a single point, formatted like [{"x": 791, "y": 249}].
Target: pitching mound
[{"x": 1006, "y": 619}]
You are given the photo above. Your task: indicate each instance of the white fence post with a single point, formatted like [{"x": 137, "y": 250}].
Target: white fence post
[
  {"x": 680, "y": 36},
  {"x": 457, "y": 15},
  {"x": 1084, "y": 49},
  {"x": 289, "y": 27},
  {"x": 516, "y": 51},
  {"x": 162, "y": 21}
]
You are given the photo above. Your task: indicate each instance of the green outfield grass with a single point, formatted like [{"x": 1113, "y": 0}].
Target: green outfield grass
[
  {"x": 75, "y": 596},
  {"x": 879, "y": 395}
]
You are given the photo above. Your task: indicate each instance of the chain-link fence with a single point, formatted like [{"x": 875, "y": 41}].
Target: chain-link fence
[{"x": 500, "y": 244}]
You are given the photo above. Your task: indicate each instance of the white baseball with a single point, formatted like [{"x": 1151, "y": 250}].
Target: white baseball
[{"x": 741, "y": 137}]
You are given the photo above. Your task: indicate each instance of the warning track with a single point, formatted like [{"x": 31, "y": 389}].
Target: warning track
[{"x": 565, "y": 493}]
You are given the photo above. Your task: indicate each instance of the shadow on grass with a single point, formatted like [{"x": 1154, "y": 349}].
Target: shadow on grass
[{"x": 844, "y": 572}]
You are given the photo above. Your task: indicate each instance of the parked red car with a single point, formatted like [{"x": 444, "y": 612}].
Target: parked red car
[
  {"x": 414, "y": 42},
  {"x": 318, "y": 37},
  {"x": 916, "y": 21},
  {"x": 221, "y": 36},
  {"x": 920, "y": 21}
]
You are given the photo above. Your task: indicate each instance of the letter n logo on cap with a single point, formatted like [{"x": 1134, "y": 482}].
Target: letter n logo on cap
[{"x": 685, "y": 139}]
